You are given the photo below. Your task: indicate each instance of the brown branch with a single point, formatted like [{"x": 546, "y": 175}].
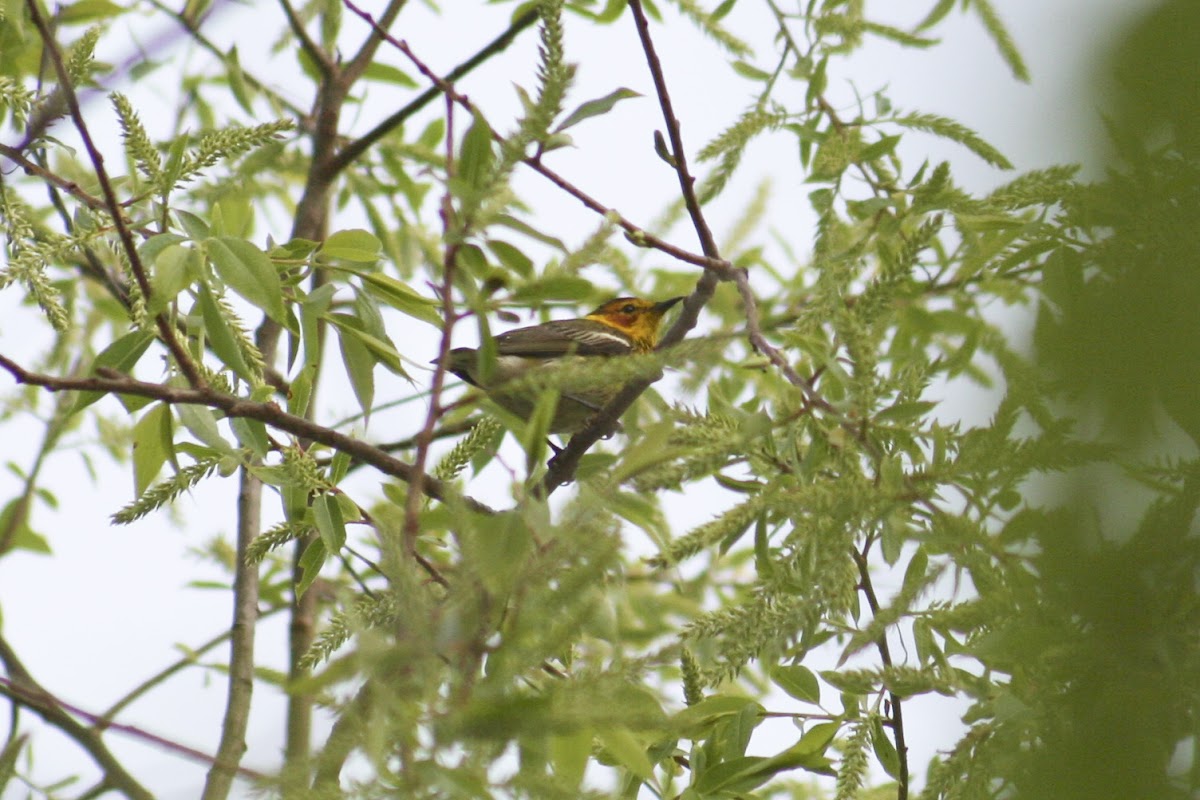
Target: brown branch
[
  {"x": 110, "y": 382},
  {"x": 356, "y": 148},
  {"x": 687, "y": 183},
  {"x": 452, "y": 234},
  {"x": 637, "y": 234},
  {"x": 366, "y": 54},
  {"x": 23, "y": 690},
  {"x": 165, "y": 331},
  {"x": 320, "y": 58},
  {"x": 70, "y": 187},
  {"x": 885, "y": 655},
  {"x": 219, "y": 781}
]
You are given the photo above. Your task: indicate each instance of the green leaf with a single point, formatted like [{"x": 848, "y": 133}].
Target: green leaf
[
  {"x": 663, "y": 151},
  {"x": 327, "y": 516},
  {"x": 798, "y": 681},
  {"x": 533, "y": 233},
  {"x": 735, "y": 776},
  {"x": 310, "y": 564},
  {"x": 202, "y": 423},
  {"x": 555, "y": 287},
  {"x": 1000, "y": 35},
  {"x": 914, "y": 575},
  {"x": 248, "y": 271},
  {"x": 885, "y": 751},
  {"x": 355, "y": 245},
  {"x": 238, "y": 85},
  {"x": 383, "y": 351},
  {"x": 23, "y": 537},
  {"x": 221, "y": 337},
  {"x": 722, "y": 10},
  {"x": 196, "y": 228},
  {"x": 956, "y": 132},
  {"x": 360, "y": 367},
  {"x": 252, "y": 433},
  {"x": 628, "y": 752},
  {"x": 749, "y": 71},
  {"x": 897, "y": 35},
  {"x": 476, "y": 156},
  {"x": 569, "y": 753},
  {"x": 402, "y": 297},
  {"x": 122, "y": 355},
  {"x": 594, "y": 108},
  {"x": 902, "y": 412},
  {"x": 152, "y": 446},
  {"x": 696, "y": 721},
  {"x": 386, "y": 73},
  {"x": 149, "y": 250},
  {"x": 511, "y": 257},
  {"x": 174, "y": 269},
  {"x": 83, "y": 11}
]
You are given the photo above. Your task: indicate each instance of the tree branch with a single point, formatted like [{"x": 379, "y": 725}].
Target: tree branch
[
  {"x": 232, "y": 747},
  {"x": 165, "y": 331},
  {"x": 322, "y": 61},
  {"x": 356, "y": 148},
  {"x": 110, "y": 382},
  {"x": 885, "y": 655},
  {"x": 23, "y": 690},
  {"x": 637, "y": 234}
]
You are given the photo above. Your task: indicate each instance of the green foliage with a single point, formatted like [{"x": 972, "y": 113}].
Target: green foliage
[
  {"x": 541, "y": 648},
  {"x": 166, "y": 491}
]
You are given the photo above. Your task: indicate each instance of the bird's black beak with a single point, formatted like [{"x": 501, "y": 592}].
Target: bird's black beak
[{"x": 666, "y": 304}]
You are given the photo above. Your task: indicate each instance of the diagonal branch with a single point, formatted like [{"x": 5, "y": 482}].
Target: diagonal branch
[
  {"x": 885, "y": 655},
  {"x": 638, "y": 235},
  {"x": 22, "y": 689},
  {"x": 322, "y": 61},
  {"x": 362, "y": 59},
  {"x": 356, "y": 148},
  {"x": 112, "y": 382},
  {"x": 165, "y": 331},
  {"x": 687, "y": 182}
]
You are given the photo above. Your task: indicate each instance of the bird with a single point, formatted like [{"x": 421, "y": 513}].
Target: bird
[{"x": 620, "y": 327}]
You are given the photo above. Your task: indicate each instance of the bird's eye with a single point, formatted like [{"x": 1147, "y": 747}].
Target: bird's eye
[{"x": 628, "y": 308}]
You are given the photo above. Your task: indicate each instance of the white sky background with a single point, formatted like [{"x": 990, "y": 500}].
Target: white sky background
[{"x": 105, "y": 611}]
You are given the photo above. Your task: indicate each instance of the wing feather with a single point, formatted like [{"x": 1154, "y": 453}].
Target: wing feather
[{"x": 581, "y": 337}]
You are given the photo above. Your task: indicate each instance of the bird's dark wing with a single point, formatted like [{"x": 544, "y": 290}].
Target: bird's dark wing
[{"x": 581, "y": 337}]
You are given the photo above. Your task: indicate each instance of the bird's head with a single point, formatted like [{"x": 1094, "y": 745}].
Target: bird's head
[{"x": 636, "y": 318}]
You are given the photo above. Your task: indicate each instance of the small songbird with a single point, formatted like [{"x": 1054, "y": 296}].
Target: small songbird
[{"x": 620, "y": 327}]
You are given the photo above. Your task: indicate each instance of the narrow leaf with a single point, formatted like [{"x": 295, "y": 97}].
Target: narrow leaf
[
  {"x": 248, "y": 271},
  {"x": 597, "y": 107}
]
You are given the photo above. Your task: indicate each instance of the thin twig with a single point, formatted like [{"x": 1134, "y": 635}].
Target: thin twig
[
  {"x": 357, "y": 65},
  {"x": 165, "y": 331},
  {"x": 452, "y": 233},
  {"x": 356, "y": 148},
  {"x": 637, "y": 234},
  {"x": 115, "y": 383},
  {"x": 322, "y": 61},
  {"x": 70, "y": 187},
  {"x": 885, "y": 655},
  {"x": 22, "y": 689}
]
